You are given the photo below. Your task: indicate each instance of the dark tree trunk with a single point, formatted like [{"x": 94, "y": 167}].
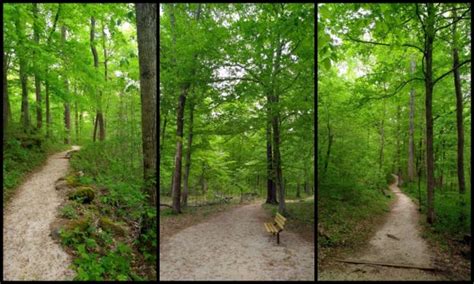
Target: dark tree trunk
[
  {"x": 99, "y": 118},
  {"x": 95, "y": 128},
  {"x": 459, "y": 125},
  {"x": 176, "y": 189},
  {"x": 271, "y": 190},
  {"x": 76, "y": 121},
  {"x": 187, "y": 163},
  {"x": 25, "y": 115},
  {"x": 48, "y": 112},
  {"x": 6, "y": 103},
  {"x": 67, "y": 107},
  {"x": 411, "y": 136},
  {"x": 429, "y": 38},
  {"x": 39, "y": 116}
]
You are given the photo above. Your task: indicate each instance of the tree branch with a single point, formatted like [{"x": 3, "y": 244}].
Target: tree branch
[
  {"x": 385, "y": 44},
  {"x": 454, "y": 68},
  {"x": 419, "y": 18},
  {"x": 398, "y": 89},
  {"x": 454, "y": 21}
]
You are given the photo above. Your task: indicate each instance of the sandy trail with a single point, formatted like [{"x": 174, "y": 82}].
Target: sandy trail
[
  {"x": 29, "y": 253},
  {"x": 409, "y": 249},
  {"x": 235, "y": 246}
]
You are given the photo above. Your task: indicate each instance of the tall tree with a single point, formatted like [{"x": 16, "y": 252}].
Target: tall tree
[
  {"x": 67, "y": 107},
  {"x": 99, "y": 116},
  {"x": 36, "y": 27},
  {"x": 146, "y": 32},
  {"x": 20, "y": 51},
  {"x": 411, "y": 136}
]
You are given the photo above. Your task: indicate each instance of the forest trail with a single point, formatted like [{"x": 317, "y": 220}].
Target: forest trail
[
  {"x": 29, "y": 253},
  {"x": 235, "y": 246},
  {"x": 410, "y": 248}
]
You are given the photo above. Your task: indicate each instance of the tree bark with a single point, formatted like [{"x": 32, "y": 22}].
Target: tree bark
[
  {"x": 25, "y": 116},
  {"x": 6, "y": 103},
  {"x": 271, "y": 190},
  {"x": 187, "y": 163},
  {"x": 146, "y": 34},
  {"x": 39, "y": 117},
  {"x": 67, "y": 107},
  {"x": 382, "y": 137},
  {"x": 429, "y": 39},
  {"x": 411, "y": 136},
  {"x": 99, "y": 116},
  {"x": 184, "y": 88},
  {"x": 176, "y": 188},
  {"x": 459, "y": 124},
  {"x": 48, "y": 112}
]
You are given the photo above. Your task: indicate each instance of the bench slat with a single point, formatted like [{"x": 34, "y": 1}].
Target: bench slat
[
  {"x": 280, "y": 219},
  {"x": 270, "y": 228},
  {"x": 280, "y": 224},
  {"x": 280, "y": 216}
]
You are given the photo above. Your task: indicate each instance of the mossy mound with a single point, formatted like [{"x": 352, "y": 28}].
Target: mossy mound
[
  {"x": 111, "y": 226},
  {"x": 82, "y": 224},
  {"x": 72, "y": 180},
  {"x": 83, "y": 194}
]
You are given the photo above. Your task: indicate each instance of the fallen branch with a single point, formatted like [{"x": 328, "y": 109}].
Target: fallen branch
[
  {"x": 388, "y": 264},
  {"x": 393, "y": 237},
  {"x": 166, "y": 205}
]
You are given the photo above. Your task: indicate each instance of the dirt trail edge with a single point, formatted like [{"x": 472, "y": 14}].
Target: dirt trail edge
[
  {"x": 235, "y": 246},
  {"x": 29, "y": 253},
  {"x": 397, "y": 241}
]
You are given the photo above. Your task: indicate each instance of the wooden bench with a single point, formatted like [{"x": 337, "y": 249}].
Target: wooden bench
[{"x": 276, "y": 227}]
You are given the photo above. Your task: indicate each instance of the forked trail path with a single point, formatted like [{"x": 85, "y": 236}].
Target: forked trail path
[
  {"x": 235, "y": 246},
  {"x": 29, "y": 253},
  {"x": 397, "y": 241}
]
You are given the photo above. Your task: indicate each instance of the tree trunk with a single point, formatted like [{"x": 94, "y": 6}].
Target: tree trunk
[
  {"x": 459, "y": 123},
  {"x": 429, "y": 38},
  {"x": 76, "y": 122},
  {"x": 176, "y": 189},
  {"x": 5, "y": 96},
  {"x": 146, "y": 34},
  {"x": 399, "y": 151},
  {"x": 271, "y": 190},
  {"x": 411, "y": 136},
  {"x": 382, "y": 137},
  {"x": 95, "y": 128},
  {"x": 99, "y": 116},
  {"x": 39, "y": 117},
  {"x": 48, "y": 112},
  {"x": 67, "y": 108},
  {"x": 25, "y": 116},
  {"x": 187, "y": 163}
]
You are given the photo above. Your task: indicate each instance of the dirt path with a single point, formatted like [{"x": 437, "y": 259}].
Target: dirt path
[
  {"x": 410, "y": 248},
  {"x": 29, "y": 253},
  {"x": 235, "y": 246}
]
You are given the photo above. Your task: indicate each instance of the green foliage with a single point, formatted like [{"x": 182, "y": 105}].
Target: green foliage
[
  {"x": 18, "y": 161},
  {"x": 347, "y": 212},
  {"x": 447, "y": 208}
]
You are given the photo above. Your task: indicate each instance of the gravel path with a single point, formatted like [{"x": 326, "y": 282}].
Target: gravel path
[
  {"x": 410, "y": 248},
  {"x": 235, "y": 246},
  {"x": 29, "y": 253}
]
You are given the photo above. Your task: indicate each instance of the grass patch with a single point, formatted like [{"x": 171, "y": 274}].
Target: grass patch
[
  {"x": 348, "y": 215},
  {"x": 447, "y": 209}
]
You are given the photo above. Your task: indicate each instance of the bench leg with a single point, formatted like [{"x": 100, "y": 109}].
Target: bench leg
[{"x": 278, "y": 238}]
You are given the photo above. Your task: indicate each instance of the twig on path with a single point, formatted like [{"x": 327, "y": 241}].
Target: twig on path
[
  {"x": 387, "y": 264},
  {"x": 393, "y": 237}
]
